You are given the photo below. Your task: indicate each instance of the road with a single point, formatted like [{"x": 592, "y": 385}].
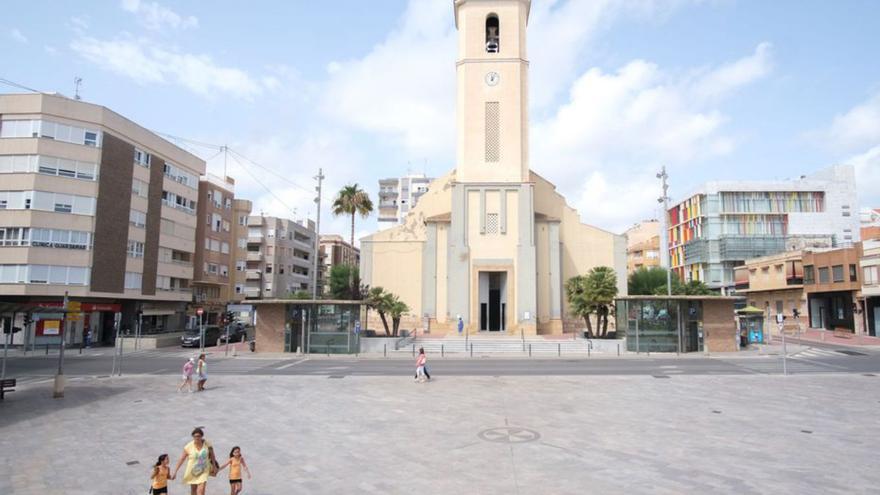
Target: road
[{"x": 818, "y": 358}]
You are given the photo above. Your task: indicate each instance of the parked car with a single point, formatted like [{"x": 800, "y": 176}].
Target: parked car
[
  {"x": 191, "y": 338},
  {"x": 237, "y": 333}
]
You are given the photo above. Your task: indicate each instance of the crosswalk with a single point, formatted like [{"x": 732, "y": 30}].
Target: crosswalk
[
  {"x": 815, "y": 352},
  {"x": 792, "y": 365}
]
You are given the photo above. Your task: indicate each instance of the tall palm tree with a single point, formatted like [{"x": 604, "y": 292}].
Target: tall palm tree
[{"x": 352, "y": 200}]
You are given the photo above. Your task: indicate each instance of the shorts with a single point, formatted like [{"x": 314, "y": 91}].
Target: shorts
[
  {"x": 159, "y": 491},
  {"x": 186, "y": 377},
  {"x": 234, "y": 481}
]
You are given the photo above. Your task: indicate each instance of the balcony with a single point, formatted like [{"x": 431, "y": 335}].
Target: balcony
[
  {"x": 253, "y": 275},
  {"x": 251, "y": 292},
  {"x": 254, "y": 256}
]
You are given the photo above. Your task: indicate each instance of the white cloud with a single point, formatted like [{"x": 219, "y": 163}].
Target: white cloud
[
  {"x": 857, "y": 128},
  {"x": 80, "y": 23},
  {"x": 17, "y": 36},
  {"x": 51, "y": 50},
  {"x": 867, "y": 166},
  {"x": 632, "y": 120},
  {"x": 145, "y": 62},
  {"x": 612, "y": 202},
  {"x": 154, "y": 16}
]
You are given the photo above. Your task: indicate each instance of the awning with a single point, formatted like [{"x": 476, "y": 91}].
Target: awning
[{"x": 750, "y": 310}]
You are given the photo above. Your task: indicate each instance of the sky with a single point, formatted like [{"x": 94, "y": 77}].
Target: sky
[{"x": 712, "y": 89}]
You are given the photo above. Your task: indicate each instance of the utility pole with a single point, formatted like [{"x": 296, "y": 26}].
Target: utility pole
[
  {"x": 58, "y": 389},
  {"x": 664, "y": 235},
  {"x": 320, "y": 179},
  {"x": 77, "y": 82}
]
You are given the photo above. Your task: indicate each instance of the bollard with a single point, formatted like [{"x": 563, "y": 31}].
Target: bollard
[
  {"x": 328, "y": 350},
  {"x": 47, "y": 349},
  {"x": 588, "y": 351},
  {"x": 472, "y": 349},
  {"x": 385, "y": 350},
  {"x": 530, "y": 350},
  {"x": 414, "y": 350},
  {"x": 80, "y": 348},
  {"x": 558, "y": 350},
  {"x": 618, "y": 349},
  {"x": 442, "y": 353}
]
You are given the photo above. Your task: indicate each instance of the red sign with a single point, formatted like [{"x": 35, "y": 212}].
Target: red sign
[
  {"x": 85, "y": 307},
  {"x": 200, "y": 311}
]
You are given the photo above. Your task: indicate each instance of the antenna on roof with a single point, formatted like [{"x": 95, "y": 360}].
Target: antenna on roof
[{"x": 77, "y": 82}]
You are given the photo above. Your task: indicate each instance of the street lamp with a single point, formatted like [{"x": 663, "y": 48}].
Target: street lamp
[{"x": 664, "y": 200}]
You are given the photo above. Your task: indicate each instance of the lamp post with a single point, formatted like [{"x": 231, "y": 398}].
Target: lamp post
[{"x": 664, "y": 235}]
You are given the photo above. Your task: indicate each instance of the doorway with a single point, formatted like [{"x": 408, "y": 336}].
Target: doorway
[{"x": 493, "y": 301}]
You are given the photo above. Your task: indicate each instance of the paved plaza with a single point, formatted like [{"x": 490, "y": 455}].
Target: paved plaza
[{"x": 811, "y": 433}]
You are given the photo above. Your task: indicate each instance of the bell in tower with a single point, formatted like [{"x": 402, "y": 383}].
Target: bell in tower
[{"x": 492, "y": 33}]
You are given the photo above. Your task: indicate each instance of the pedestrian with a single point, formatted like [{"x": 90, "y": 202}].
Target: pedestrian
[
  {"x": 460, "y": 325},
  {"x": 236, "y": 462},
  {"x": 420, "y": 365},
  {"x": 160, "y": 476},
  {"x": 88, "y": 338},
  {"x": 201, "y": 463},
  {"x": 187, "y": 375},
  {"x": 202, "y": 371}
]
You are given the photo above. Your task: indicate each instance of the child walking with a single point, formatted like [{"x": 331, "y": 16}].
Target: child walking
[
  {"x": 187, "y": 375},
  {"x": 421, "y": 361},
  {"x": 235, "y": 463},
  {"x": 159, "y": 478}
]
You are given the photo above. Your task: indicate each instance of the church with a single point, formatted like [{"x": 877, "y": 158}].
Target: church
[{"x": 491, "y": 242}]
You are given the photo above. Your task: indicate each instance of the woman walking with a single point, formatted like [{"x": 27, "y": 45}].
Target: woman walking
[
  {"x": 200, "y": 463},
  {"x": 202, "y": 371},
  {"x": 160, "y": 476},
  {"x": 420, "y": 365},
  {"x": 187, "y": 375},
  {"x": 235, "y": 463}
]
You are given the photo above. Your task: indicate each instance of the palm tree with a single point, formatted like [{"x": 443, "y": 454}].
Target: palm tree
[
  {"x": 593, "y": 293},
  {"x": 352, "y": 200}
]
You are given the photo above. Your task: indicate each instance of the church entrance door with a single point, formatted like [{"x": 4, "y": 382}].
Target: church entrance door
[{"x": 493, "y": 301}]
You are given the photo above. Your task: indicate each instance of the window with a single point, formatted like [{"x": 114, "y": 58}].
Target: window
[
  {"x": 837, "y": 273},
  {"x": 179, "y": 202},
  {"x": 823, "y": 275},
  {"x": 242, "y": 219},
  {"x": 137, "y": 218},
  {"x": 224, "y": 248},
  {"x": 228, "y": 203},
  {"x": 135, "y": 249},
  {"x": 493, "y": 133},
  {"x": 492, "y": 34},
  {"x": 133, "y": 280},
  {"x": 268, "y": 269},
  {"x": 870, "y": 275},
  {"x": 48, "y": 165},
  {"x": 63, "y": 203},
  {"x": 242, "y": 242},
  {"x": 491, "y": 223},
  {"x": 226, "y": 226},
  {"x": 217, "y": 199},
  {"x": 216, "y": 222},
  {"x": 177, "y": 174},
  {"x": 43, "y": 274},
  {"x": 224, "y": 271},
  {"x": 240, "y": 266},
  {"x": 853, "y": 274},
  {"x": 212, "y": 268},
  {"x": 49, "y": 130},
  {"x": 239, "y": 288},
  {"x": 780, "y": 308},
  {"x": 57, "y": 238},
  {"x": 142, "y": 158},
  {"x": 215, "y": 245},
  {"x": 140, "y": 188},
  {"x": 809, "y": 274}
]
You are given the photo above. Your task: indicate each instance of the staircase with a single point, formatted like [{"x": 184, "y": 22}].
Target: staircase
[{"x": 481, "y": 345}]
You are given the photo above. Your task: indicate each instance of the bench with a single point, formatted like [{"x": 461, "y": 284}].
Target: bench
[{"x": 6, "y": 385}]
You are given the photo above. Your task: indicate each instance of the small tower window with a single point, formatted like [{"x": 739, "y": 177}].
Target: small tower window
[{"x": 492, "y": 30}]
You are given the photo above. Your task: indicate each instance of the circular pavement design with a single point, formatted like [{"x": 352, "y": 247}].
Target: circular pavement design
[{"x": 509, "y": 434}]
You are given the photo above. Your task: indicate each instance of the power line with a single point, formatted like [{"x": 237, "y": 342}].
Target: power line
[
  {"x": 19, "y": 86},
  {"x": 292, "y": 210}
]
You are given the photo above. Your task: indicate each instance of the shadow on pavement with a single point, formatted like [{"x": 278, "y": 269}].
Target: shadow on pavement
[{"x": 31, "y": 402}]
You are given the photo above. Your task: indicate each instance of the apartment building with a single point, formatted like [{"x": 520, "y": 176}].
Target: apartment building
[
  {"x": 334, "y": 251},
  {"x": 397, "y": 196},
  {"x": 643, "y": 245},
  {"x": 870, "y": 267},
  {"x": 98, "y": 207},
  {"x": 280, "y": 257},
  {"x": 774, "y": 283},
  {"x": 214, "y": 265},
  {"x": 833, "y": 284},
  {"x": 723, "y": 224}
]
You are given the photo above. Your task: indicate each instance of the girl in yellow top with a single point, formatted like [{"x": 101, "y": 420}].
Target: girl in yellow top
[
  {"x": 159, "y": 478},
  {"x": 199, "y": 455},
  {"x": 235, "y": 463}
]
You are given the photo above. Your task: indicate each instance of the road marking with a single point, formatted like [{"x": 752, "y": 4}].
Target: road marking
[{"x": 288, "y": 365}]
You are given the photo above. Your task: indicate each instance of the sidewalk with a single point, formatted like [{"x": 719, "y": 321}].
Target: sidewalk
[{"x": 828, "y": 337}]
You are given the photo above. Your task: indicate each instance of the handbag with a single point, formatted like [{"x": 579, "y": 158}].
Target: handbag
[{"x": 215, "y": 466}]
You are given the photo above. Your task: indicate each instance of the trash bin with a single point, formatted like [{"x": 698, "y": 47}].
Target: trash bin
[{"x": 252, "y": 345}]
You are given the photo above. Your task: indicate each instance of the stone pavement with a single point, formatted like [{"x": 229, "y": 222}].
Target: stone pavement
[{"x": 457, "y": 435}]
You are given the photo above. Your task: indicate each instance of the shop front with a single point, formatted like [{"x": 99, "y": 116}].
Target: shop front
[
  {"x": 678, "y": 324},
  {"x": 308, "y": 326}
]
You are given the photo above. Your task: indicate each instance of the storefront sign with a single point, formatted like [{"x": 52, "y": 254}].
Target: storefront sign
[{"x": 51, "y": 327}]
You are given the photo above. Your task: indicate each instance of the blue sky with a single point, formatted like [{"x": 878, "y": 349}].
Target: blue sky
[{"x": 711, "y": 89}]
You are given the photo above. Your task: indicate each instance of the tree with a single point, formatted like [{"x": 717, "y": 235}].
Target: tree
[
  {"x": 593, "y": 293},
  {"x": 300, "y": 295},
  {"x": 396, "y": 309},
  {"x": 352, "y": 200},
  {"x": 647, "y": 281},
  {"x": 378, "y": 299},
  {"x": 344, "y": 282},
  {"x": 692, "y": 288}
]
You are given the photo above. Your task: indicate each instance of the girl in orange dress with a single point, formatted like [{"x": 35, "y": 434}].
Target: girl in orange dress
[
  {"x": 161, "y": 475},
  {"x": 236, "y": 463}
]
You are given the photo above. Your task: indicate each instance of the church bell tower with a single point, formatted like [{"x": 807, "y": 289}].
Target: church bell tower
[{"x": 492, "y": 106}]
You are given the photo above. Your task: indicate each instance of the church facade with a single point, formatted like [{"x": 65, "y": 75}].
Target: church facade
[{"x": 491, "y": 242}]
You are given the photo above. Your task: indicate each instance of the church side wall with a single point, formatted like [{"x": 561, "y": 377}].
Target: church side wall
[{"x": 397, "y": 268}]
